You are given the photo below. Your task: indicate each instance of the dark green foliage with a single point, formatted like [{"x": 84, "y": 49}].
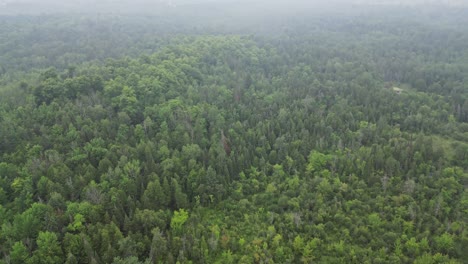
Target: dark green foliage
[{"x": 287, "y": 147}]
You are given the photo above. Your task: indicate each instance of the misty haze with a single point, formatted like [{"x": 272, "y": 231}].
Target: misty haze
[{"x": 224, "y": 131}]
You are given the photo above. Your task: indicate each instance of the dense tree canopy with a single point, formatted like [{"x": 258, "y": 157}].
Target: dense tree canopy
[{"x": 326, "y": 141}]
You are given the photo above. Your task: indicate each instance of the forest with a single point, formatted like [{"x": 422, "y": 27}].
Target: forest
[{"x": 323, "y": 138}]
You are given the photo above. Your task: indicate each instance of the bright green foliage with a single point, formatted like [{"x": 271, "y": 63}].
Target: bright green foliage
[
  {"x": 77, "y": 224},
  {"x": 317, "y": 162},
  {"x": 178, "y": 219},
  {"x": 48, "y": 249},
  {"x": 19, "y": 253},
  {"x": 310, "y": 252},
  {"x": 445, "y": 243}
]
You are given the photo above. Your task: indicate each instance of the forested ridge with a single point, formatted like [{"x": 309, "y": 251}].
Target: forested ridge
[{"x": 324, "y": 140}]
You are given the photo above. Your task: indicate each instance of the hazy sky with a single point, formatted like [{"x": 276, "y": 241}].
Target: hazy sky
[{"x": 52, "y": 6}]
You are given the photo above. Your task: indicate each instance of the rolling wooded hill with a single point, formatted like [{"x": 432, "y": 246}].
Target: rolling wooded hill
[{"x": 318, "y": 139}]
